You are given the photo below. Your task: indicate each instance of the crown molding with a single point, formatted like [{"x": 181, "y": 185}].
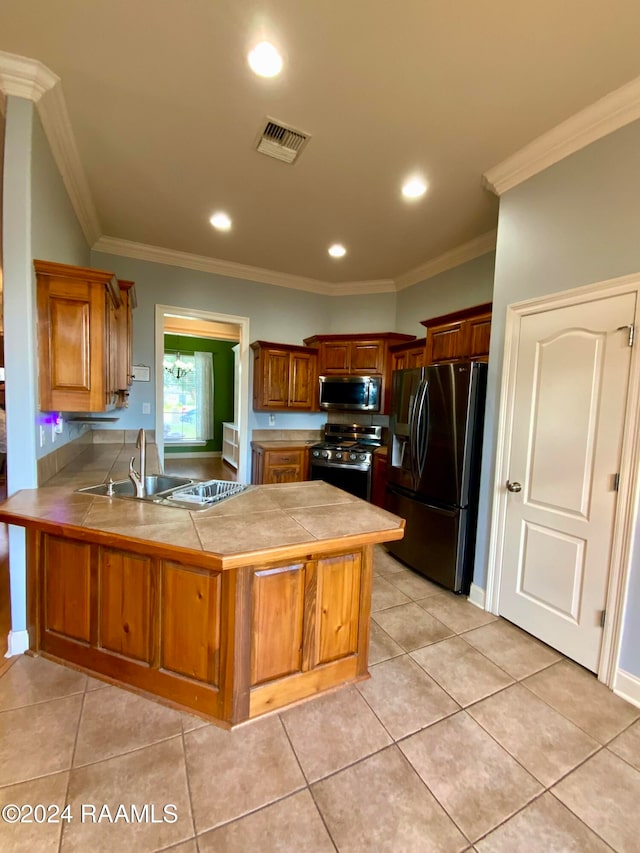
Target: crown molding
[
  {"x": 57, "y": 127},
  {"x": 30, "y": 79},
  {"x": 605, "y": 116},
  {"x": 202, "y": 263},
  {"x": 475, "y": 248},
  {"x": 24, "y": 77}
]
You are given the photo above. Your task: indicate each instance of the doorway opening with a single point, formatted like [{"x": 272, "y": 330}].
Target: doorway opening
[{"x": 185, "y": 353}]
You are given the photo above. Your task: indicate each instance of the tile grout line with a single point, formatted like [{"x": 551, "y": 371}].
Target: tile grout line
[
  {"x": 188, "y": 780},
  {"x": 73, "y": 755}
]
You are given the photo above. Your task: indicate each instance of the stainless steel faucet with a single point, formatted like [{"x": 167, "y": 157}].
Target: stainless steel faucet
[{"x": 138, "y": 478}]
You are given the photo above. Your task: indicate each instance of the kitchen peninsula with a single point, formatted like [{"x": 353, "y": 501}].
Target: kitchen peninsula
[{"x": 257, "y": 602}]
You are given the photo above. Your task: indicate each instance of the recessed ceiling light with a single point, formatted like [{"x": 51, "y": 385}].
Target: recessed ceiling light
[
  {"x": 414, "y": 188},
  {"x": 220, "y": 221},
  {"x": 337, "y": 250},
  {"x": 264, "y": 60}
]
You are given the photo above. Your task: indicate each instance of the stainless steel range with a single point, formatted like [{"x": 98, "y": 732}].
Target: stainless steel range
[{"x": 345, "y": 457}]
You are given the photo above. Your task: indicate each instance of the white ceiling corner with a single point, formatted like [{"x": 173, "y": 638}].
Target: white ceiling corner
[{"x": 605, "y": 116}]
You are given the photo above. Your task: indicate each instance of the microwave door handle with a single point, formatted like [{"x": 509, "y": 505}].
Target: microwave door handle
[{"x": 366, "y": 402}]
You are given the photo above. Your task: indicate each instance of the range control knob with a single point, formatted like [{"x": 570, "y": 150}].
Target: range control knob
[
  {"x": 325, "y": 454},
  {"x": 363, "y": 457},
  {"x": 352, "y": 456},
  {"x": 316, "y": 453},
  {"x": 338, "y": 455}
]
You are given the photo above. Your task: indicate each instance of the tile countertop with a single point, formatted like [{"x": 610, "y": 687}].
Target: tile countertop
[
  {"x": 292, "y": 518},
  {"x": 290, "y": 444}
]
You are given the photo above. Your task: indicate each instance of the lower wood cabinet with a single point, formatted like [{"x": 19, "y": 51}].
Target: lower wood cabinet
[
  {"x": 231, "y": 644},
  {"x": 379, "y": 479},
  {"x": 288, "y": 465}
]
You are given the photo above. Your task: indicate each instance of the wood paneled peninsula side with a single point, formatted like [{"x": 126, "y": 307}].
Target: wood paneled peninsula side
[{"x": 255, "y": 603}]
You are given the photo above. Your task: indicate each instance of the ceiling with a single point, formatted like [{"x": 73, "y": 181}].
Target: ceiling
[{"x": 165, "y": 114}]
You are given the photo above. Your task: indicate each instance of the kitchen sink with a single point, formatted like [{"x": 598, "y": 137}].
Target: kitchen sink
[
  {"x": 154, "y": 485},
  {"x": 179, "y": 492}
]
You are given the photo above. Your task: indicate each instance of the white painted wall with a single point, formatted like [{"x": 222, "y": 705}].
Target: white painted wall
[
  {"x": 56, "y": 235},
  {"x": 38, "y": 221},
  {"x": 466, "y": 285},
  {"x": 576, "y": 223}
]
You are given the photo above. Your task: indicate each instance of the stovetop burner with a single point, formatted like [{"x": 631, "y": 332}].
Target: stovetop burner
[{"x": 347, "y": 444}]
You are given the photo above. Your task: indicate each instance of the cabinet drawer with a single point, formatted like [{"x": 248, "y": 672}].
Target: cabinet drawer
[{"x": 285, "y": 457}]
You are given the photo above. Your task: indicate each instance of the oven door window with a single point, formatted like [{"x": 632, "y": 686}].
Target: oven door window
[{"x": 351, "y": 480}]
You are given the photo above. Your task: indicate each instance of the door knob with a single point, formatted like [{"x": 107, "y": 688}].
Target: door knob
[{"x": 514, "y": 487}]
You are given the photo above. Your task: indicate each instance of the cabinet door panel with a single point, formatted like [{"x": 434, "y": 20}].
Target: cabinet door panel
[
  {"x": 125, "y": 601},
  {"x": 302, "y": 381},
  {"x": 67, "y": 585},
  {"x": 445, "y": 342},
  {"x": 190, "y": 614},
  {"x": 338, "y": 598},
  {"x": 335, "y": 357},
  {"x": 477, "y": 336},
  {"x": 70, "y": 359},
  {"x": 276, "y": 385},
  {"x": 415, "y": 357},
  {"x": 277, "y": 604},
  {"x": 283, "y": 474},
  {"x": 366, "y": 357}
]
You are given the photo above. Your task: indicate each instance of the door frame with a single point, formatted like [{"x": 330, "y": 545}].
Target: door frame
[
  {"x": 624, "y": 528},
  {"x": 243, "y": 401}
]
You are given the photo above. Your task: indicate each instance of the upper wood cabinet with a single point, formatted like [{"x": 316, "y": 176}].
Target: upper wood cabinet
[
  {"x": 124, "y": 314},
  {"x": 78, "y": 338},
  {"x": 460, "y": 335},
  {"x": 404, "y": 356},
  {"x": 284, "y": 377},
  {"x": 360, "y": 355}
]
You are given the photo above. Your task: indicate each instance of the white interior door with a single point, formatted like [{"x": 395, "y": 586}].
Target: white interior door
[{"x": 568, "y": 421}]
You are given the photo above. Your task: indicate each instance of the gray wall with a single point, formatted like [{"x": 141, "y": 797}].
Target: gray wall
[
  {"x": 56, "y": 235},
  {"x": 576, "y": 223},
  {"x": 38, "y": 221},
  {"x": 466, "y": 285}
]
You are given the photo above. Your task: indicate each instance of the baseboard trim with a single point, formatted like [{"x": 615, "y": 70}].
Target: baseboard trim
[
  {"x": 17, "y": 643},
  {"x": 477, "y": 596},
  {"x": 627, "y": 686}
]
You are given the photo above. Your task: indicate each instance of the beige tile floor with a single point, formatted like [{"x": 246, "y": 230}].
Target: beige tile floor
[{"x": 470, "y": 735}]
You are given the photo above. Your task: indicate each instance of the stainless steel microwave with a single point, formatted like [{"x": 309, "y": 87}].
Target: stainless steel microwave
[{"x": 350, "y": 393}]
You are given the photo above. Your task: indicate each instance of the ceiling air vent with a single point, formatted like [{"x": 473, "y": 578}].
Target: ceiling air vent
[{"x": 282, "y": 142}]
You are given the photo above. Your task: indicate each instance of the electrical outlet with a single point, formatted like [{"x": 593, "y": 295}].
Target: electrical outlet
[
  {"x": 58, "y": 424},
  {"x": 272, "y": 420},
  {"x": 41, "y": 436},
  {"x": 146, "y": 408}
]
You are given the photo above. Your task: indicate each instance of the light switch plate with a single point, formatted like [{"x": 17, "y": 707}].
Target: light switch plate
[{"x": 146, "y": 408}]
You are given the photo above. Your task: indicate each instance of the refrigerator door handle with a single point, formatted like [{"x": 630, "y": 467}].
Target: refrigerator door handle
[
  {"x": 422, "y": 428},
  {"x": 413, "y": 437}
]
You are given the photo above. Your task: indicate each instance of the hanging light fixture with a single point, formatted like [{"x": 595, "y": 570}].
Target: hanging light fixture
[{"x": 177, "y": 368}]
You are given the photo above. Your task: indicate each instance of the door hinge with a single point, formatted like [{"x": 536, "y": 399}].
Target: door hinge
[
  {"x": 616, "y": 482},
  {"x": 632, "y": 332},
  {"x": 603, "y": 616}
]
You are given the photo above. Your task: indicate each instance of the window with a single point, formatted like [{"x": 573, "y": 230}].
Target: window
[{"x": 188, "y": 397}]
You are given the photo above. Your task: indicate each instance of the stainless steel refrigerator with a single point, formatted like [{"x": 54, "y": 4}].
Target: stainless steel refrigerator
[{"x": 435, "y": 440}]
